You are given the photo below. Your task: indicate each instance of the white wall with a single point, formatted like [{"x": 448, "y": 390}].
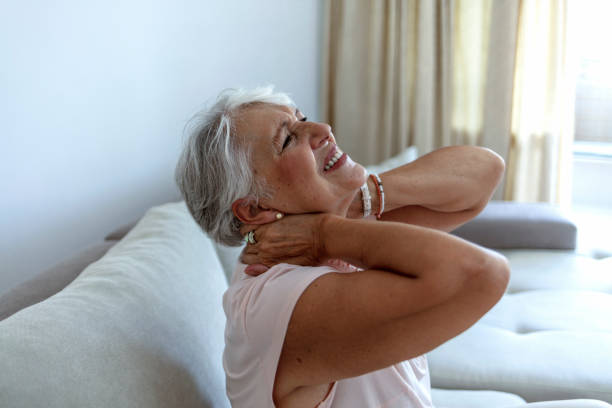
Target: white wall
[{"x": 94, "y": 96}]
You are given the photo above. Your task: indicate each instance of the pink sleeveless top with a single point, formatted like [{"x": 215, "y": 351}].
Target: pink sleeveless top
[{"x": 258, "y": 310}]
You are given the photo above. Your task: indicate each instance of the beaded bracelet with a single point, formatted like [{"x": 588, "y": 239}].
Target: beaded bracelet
[
  {"x": 367, "y": 200},
  {"x": 381, "y": 194}
]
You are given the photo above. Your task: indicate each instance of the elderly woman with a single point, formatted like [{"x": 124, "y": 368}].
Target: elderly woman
[{"x": 346, "y": 280}]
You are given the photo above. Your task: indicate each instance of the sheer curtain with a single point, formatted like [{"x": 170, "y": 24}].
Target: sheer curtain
[
  {"x": 438, "y": 73},
  {"x": 539, "y": 167}
]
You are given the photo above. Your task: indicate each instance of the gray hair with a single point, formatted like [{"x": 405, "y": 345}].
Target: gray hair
[{"x": 214, "y": 168}]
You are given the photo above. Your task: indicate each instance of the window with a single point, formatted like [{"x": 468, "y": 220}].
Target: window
[
  {"x": 592, "y": 164},
  {"x": 594, "y": 83}
]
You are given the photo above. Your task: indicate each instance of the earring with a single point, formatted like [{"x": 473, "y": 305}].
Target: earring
[{"x": 279, "y": 216}]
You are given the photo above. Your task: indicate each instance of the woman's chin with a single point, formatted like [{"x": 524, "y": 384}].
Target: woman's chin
[
  {"x": 361, "y": 174},
  {"x": 346, "y": 167},
  {"x": 352, "y": 167}
]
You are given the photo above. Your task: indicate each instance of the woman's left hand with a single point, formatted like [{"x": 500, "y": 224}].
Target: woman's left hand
[{"x": 293, "y": 239}]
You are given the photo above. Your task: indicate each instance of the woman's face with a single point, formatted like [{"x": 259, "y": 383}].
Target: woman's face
[{"x": 291, "y": 155}]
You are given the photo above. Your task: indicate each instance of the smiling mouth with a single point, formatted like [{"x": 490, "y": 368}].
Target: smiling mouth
[{"x": 336, "y": 161}]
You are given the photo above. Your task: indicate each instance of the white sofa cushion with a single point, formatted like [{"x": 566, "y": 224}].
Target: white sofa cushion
[
  {"x": 474, "y": 399},
  {"x": 556, "y": 269},
  {"x": 141, "y": 327},
  {"x": 495, "y": 399},
  {"x": 549, "y": 337}
]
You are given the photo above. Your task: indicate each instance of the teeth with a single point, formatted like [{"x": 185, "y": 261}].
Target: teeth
[
  {"x": 331, "y": 162},
  {"x": 334, "y": 159}
]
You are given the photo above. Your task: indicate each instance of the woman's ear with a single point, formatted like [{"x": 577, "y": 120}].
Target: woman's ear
[{"x": 247, "y": 212}]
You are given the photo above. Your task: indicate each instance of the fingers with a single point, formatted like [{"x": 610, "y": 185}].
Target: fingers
[
  {"x": 257, "y": 232},
  {"x": 255, "y": 269},
  {"x": 250, "y": 259},
  {"x": 250, "y": 249}
]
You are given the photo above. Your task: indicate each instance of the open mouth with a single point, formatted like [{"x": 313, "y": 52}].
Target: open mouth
[{"x": 337, "y": 159}]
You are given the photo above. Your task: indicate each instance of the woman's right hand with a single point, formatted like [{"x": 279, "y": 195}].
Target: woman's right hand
[{"x": 294, "y": 239}]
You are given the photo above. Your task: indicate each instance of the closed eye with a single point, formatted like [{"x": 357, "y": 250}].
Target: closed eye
[
  {"x": 287, "y": 140},
  {"x": 290, "y": 136}
]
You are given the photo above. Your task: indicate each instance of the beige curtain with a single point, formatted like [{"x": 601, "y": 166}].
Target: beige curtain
[
  {"x": 431, "y": 74},
  {"x": 539, "y": 167}
]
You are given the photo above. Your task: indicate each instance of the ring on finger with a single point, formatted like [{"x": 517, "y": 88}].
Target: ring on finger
[{"x": 250, "y": 237}]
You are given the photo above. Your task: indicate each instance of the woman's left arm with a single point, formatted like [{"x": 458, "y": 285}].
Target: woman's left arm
[{"x": 441, "y": 190}]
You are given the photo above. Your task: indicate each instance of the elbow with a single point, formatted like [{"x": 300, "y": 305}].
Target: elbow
[
  {"x": 497, "y": 167},
  {"x": 499, "y": 275},
  {"x": 490, "y": 277},
  {"x": 484, "y": 160},
  {"x": 492, "y": 168}
]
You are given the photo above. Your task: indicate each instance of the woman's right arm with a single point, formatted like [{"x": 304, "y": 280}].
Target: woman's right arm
[{"x": 420, "y": 288}]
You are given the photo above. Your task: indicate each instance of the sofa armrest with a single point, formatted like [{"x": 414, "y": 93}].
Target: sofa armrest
[
  {"x": 227, "y": 255},
  {"x": 119, "y": 233},
  {"x": 506, "y": 224},
  {"x": 50, "y": 281}
]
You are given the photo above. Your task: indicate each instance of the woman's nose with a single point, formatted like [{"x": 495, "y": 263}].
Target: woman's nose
[{"x": 320, "y": 134}]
